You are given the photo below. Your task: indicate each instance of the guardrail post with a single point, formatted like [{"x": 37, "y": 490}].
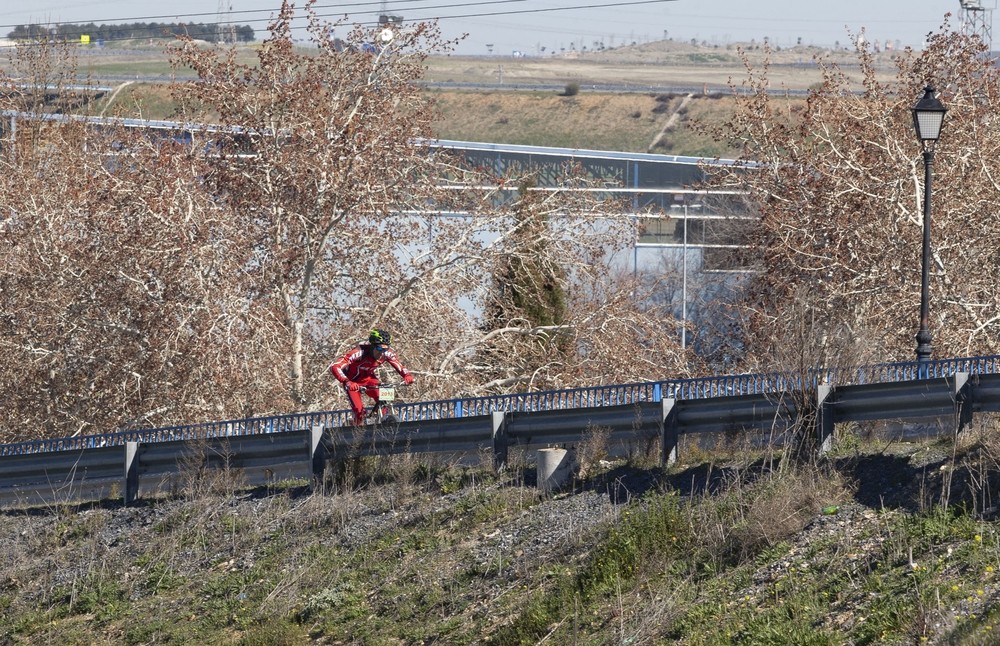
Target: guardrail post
[
  {"x": 669, "y": 433},
  {"x": 824, "y": 419},
  {"x": 317, "y": 450},
  {"x": 499, "y": 439},
  {"x": 962, "y": 389},
  {"x": 131, "y": 472}
]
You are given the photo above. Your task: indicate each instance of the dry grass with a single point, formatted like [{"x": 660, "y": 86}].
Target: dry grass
[
  {"x": 637, "y": 122},
  {"x": 590, "y": 120},
  {"x": 592, "y": 450}
]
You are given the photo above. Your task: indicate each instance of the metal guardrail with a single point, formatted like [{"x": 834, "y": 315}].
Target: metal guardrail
[
  {"x": 984, "y": 393},
  {"x": 635, "y": 417},
  {"x": 258, "y": 459},
  {"x": 469, "y": 435},
  {"x": 629, "y": 427},
  {"x": 45, "y": 478},
  {"x": 227, "y": 428},
  {"x": 567, "y": 399}
]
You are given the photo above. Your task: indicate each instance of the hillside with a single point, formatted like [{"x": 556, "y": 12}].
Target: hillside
[
  {"x": 635, "y": 122},
  {"x": 657, "y": 64},
  {"x": 521, "y": 100},
  {"x": 719, "y": 550},
  {"x": 689, "y": 85},
  {"x": 660, "y": 122}
]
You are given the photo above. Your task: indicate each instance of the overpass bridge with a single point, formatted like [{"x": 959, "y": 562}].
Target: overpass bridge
[{"x": 661, "y": 191}]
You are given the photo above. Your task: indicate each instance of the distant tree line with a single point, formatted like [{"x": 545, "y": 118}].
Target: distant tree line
[{"x": 211, "y": 32}]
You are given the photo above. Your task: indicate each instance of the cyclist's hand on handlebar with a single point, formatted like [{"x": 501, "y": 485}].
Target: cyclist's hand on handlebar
[
  {"x": 407, "y": 379},
  {"x": 353, "y": 386}
]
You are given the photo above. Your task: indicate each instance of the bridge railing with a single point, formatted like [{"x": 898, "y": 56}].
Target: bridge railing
[
  {"x": 635, "y": 418},
  {"x": 549, "y": 400}
]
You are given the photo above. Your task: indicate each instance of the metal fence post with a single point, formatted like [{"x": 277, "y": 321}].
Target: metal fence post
[
  {"x": 499, "y": 439},
  {"x": 131, "y": 472},
  {"x": 824, "y": 419},
  {"x": 669, "y": 433},
  {"x": 317, "y": 450},
  {"x": 962, "y": 388}
]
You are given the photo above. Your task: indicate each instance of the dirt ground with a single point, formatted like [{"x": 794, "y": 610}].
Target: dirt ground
[{"x": 657, "y": 64}]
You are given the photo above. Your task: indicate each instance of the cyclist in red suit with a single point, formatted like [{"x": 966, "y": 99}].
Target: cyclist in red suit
[{"x": 356, "y": 370}]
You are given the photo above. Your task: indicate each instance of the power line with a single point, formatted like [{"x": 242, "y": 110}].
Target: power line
[
  {"x": 602, "y": 5},
  {"x": 175, "y": 16}
]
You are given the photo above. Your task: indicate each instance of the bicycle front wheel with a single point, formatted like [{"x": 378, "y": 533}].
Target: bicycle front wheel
[{"x": 389, "y": 417}]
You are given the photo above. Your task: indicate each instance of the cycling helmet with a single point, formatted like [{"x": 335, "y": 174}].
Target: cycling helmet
[{"x": 376, "y": 337}]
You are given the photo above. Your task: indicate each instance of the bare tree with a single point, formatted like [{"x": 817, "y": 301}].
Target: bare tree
[
  {"x": 320, "y": 153},
  {"x": 115, "y": 298},
  {"x": 355, "y": 223},
  {"x": 837, "y": 183},
  {"x": 213, "y": 272}
]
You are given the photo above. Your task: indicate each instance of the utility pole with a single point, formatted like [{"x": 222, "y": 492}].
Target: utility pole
[
  {"x": 225, "y": 30},
  {"x": 977, "y": 20}
]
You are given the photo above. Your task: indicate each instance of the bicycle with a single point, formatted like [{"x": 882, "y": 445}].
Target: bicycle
[{"x": 383, "y": 412}]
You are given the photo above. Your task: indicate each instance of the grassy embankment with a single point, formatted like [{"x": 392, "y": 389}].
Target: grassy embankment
[
  {"x": 727, "y": 547},
  {"x": 590, "y": 120}
]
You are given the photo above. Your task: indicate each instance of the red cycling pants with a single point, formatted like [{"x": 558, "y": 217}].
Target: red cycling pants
[{"x": 369, "y": 385}]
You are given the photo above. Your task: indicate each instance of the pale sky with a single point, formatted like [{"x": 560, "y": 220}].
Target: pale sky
[{"x": 528, "y": 26}]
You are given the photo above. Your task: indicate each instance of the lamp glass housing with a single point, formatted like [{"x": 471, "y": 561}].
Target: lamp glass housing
[{"x": 928, "y": 116}]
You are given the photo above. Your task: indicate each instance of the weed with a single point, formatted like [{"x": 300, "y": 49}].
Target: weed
[
  {"x": 98, "y": 594},
  {"x": 591, "y": 450},
  {"x": 652, "y": 530},
  {"x": 206, "y": 469},
  {"x": 271, "y": 634},
  {"x": 342, "y": 597},
  {"x": 159, "y": 577},
  {"x": 150, "y": 630}
]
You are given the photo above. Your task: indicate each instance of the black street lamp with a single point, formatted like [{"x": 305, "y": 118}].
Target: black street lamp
[{"x": 928, "y": 115}]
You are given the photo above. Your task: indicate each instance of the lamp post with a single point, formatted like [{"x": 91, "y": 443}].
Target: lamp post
[
  {"x": 684, "y": 267},
  {"x": 684, "y": 283},
  {"x": 928, "y": 115}
]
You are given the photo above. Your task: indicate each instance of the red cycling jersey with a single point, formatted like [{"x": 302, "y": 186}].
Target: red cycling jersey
[
  {"x": 356, "y": 371},
  {"x": 359, "y": 364}
]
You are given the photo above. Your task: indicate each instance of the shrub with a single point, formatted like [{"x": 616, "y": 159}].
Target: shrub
[{"x": 572, "y": 89}]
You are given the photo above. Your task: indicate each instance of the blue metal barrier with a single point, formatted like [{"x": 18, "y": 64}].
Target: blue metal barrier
[{"x": 586, "y": 397}]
